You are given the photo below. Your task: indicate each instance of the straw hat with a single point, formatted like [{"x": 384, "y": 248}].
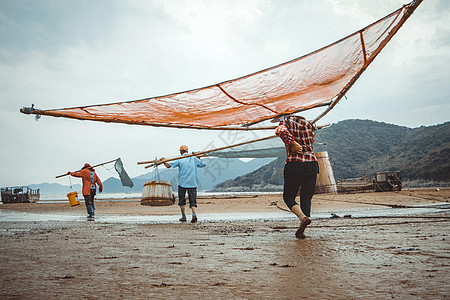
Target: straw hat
[
  {"x": 184, "y": 148},
  {"x": 87, "y": 166}
]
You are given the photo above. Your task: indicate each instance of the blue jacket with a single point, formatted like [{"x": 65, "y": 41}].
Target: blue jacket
[{"x": 187, "y": 171}]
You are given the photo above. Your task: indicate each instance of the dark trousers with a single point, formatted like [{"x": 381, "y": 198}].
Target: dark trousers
[
  {"x": 89, "y": 201},
  {"x": 297, "y": 176},
  {"x": 192, "y": 194}
]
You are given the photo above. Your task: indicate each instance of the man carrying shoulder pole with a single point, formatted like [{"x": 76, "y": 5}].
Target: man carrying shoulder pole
[
  {"x": 187, "y": 181},
  {"x": 90, "y": 182}
]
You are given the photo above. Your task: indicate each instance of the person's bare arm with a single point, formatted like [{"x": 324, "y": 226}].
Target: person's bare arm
[
  {"x": 296, "y": 147},
  {"x": 165, "y": 163}
]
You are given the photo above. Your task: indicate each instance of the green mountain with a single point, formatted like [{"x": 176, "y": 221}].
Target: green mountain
[{"x": 362, "y": 147}]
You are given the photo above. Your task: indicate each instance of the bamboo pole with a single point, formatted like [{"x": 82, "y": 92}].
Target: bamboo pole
[
  {"x": 154, "y": 163},
  {"x": 108, "y": 162},
  {"x": 410, "y": 9}
]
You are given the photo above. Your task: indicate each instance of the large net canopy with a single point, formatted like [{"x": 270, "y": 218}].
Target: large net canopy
[{"x": 317, "y": 79}]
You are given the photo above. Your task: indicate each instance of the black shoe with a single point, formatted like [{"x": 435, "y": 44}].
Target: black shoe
[
  {"x": 183, "y": 219},
  {"x": 194, "y": 219}
]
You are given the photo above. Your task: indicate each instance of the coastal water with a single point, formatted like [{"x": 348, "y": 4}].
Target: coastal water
[
  {"x": 56, "y": 198},
  {"x": 13, "y": 216}
]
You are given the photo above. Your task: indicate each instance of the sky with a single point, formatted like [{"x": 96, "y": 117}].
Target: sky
[{"x": 57, "y": 54}]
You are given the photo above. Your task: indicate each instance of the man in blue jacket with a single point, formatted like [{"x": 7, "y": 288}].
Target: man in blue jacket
[{"x": 187, "y": 181}]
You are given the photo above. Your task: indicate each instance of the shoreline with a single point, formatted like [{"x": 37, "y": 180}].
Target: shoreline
[
  {"x": 250, "y": 203},
  {"x": 55, "y": 198},
  {"x": 267, "y": 207}
]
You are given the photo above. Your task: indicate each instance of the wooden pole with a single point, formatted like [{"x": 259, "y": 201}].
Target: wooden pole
[
  {"x": 410, "y": 9},
  {"x": 108, "y": 162},
  {"x": 154, "y": 163}
]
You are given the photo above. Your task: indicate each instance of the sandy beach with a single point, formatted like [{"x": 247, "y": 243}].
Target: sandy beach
[{"x": 50, "y": 250}]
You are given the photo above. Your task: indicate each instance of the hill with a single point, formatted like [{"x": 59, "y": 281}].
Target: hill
[{"x": 362, "y": 147}]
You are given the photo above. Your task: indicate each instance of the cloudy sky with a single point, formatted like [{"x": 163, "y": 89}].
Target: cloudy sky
[{"x": 58, "y": 54}]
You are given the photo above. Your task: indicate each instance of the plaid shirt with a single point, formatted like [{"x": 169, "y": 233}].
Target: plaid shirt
[{"x": 300, "y": 130}]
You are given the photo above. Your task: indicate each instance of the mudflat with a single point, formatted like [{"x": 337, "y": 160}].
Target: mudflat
[{"x": 404, "y": 256}]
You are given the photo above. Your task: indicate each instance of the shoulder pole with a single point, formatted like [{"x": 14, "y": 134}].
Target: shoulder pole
[
  {"x": 108, "y": 162},
  {"x": 154, "y": 163}
]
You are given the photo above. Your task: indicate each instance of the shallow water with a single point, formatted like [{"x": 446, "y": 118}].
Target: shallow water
[
  {"x": 60, "y": 198},
  {"x": 13, "y": 216}
]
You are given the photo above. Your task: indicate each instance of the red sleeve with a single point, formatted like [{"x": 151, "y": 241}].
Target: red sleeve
[
  {"x": 76, "y": 174},
  {"x": 284, "y": 134},
  {"x": 99, "y": 182}
]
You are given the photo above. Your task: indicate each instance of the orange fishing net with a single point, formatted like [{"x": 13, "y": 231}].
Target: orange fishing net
[{"x": 316, "y": 79}]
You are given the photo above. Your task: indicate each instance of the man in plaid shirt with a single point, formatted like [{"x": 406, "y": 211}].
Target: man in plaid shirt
[{"x": 301, "y": 167}]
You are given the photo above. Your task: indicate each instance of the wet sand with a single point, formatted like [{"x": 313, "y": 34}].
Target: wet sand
[{"x": 399, "y": 257}]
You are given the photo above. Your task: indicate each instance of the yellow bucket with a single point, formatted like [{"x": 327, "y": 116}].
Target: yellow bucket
[{"x": 73, "y": 198}]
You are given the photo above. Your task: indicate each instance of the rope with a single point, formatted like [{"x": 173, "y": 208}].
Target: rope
[
  {"x": 379, "y": 224},
  {"x": 360, "y": 202},
  {"x": 321, "y": 198},
  {"x": 382, "y": 204},
  {"x": 156, "y": 174},
  {"x": 275, "y": 203},
  {"x": 109, "y": 170},
  {"x": 283, "y": 209},
  {"x": 439, "y": 219},
  {"x": 372, "y": 203}
]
